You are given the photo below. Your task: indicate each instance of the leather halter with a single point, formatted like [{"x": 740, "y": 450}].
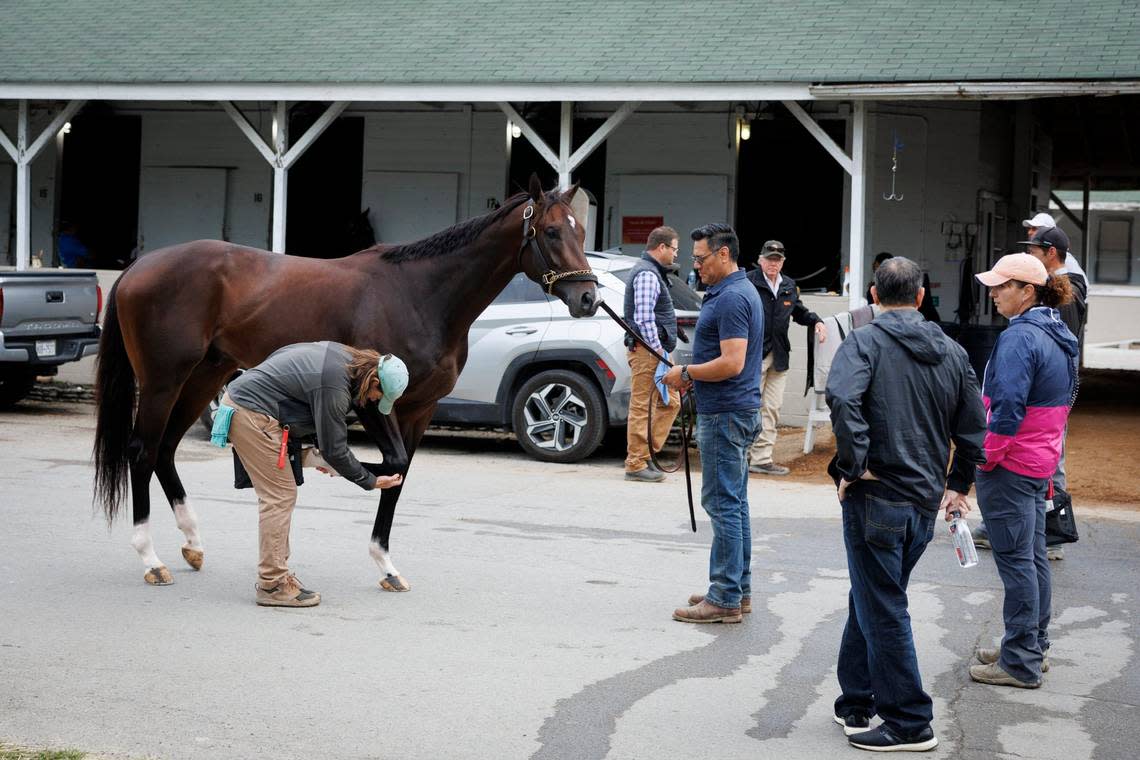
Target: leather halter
[{"x": 550, "y": 276}]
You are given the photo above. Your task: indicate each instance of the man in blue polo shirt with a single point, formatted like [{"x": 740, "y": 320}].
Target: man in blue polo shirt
[{"x": 728, "y": 350}]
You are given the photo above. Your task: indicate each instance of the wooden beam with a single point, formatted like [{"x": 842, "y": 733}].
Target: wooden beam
[
  {"x": 858, "y": 199},
  {"x": 532, "y": 136},
  {"x": 1065, "y": 210},
  {"x": 565, "y": 134},
  {"x": 52, "y": 130},
  {"x": 312, "y": 133},
  {"x": 249, "y": 131},
  {"x": 604, "y": 131},
  {"x": 821, "y": 137}
]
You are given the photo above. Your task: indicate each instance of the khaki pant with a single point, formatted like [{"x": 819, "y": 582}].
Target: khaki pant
[
  {"x": 642, "y": 365},
  {"x": 257, "y": 439},
  {"x": 772, "y": 385}
]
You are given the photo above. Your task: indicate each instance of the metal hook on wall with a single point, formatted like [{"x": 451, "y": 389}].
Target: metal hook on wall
[{"x": 896, "y": 145}]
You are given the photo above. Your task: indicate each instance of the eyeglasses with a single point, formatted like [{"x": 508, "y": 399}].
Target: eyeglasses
[
  {"x": 774, "y": 249},
  {"x": 673, "y": 248},
  {"x": 698, "y": 260}
]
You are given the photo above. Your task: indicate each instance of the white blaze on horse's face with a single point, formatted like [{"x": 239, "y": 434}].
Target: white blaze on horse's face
[{"x": 573, "y": 222}]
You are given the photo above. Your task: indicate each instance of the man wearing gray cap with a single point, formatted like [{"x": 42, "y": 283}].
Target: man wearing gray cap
[{"x": 781, "y": 299}]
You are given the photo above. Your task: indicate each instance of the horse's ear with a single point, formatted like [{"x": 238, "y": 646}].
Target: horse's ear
[
  {"x": 535, "y": 188},
  {"x": 568, "y": 193}
]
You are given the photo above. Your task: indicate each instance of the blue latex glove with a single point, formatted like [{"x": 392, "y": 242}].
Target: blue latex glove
[{"x": 658, "y": 375}]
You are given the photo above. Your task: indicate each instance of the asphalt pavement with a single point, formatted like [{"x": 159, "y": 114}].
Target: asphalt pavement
[{"x": 538, "y": 624}]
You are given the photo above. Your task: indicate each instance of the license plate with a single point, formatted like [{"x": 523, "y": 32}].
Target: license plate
[{"x": 45, "y": 348}]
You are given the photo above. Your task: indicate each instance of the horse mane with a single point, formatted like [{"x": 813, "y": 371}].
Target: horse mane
[{"x": 456, "y": 237}]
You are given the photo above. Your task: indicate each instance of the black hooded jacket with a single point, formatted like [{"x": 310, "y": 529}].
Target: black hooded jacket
[{"x": 899, "y": 392}]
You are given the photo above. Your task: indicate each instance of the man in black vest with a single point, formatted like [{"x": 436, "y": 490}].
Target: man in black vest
[
  {"x": 649, "y": 311},
  {"x": 782, "y": 303}
]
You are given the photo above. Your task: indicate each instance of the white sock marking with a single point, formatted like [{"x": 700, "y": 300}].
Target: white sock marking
[
  {"x": 187, "y": 521},
  {"x": 144, "y": 545},
  {"x": 382, "y": 559}
]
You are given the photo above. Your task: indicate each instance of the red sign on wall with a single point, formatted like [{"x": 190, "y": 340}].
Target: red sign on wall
[{"x": 636, "y": 229}]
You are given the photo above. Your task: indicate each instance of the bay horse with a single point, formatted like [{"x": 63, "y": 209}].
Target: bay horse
[{"x": 181, "y": 320}]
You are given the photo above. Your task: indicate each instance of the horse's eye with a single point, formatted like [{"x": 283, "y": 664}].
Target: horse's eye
[{"x": 553, "y": 233}]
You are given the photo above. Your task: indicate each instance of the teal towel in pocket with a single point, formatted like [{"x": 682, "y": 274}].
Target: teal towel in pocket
[{"x": 221, "y": 431}]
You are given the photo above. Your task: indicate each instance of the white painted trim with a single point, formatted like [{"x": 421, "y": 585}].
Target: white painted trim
[
  {"x": 821, "y": 137},
  {"x": 280, "y": 175},
  {"x": 565, "y": 134},
  {"x": 411, "y": 92},
  {"x": 249, "y": 131},
  {"x": 312, "y": 133},
  {"x": 529, "y": 133},
  {"x": 1114, "y": 291},
  {"x": 858, "y": 199},
  {"x": 9, "y": 147},
  {"x": 605, "y": 130},
  {"x": 1019, "y": 90},
  {"x": 52, "y": 130}
]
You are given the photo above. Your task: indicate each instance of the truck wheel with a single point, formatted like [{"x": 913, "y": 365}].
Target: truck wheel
[
  {"x": 559, "y": 416},
  {"x": 15, "y": 384}
]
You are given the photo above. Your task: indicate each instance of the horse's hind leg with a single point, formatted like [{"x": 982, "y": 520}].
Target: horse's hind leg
[
  {"x": 150, "y": 422},
  {"x": 203, "y": 384}
]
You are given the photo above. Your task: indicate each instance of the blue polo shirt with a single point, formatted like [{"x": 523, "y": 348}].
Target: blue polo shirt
[{"x": 731, "y": 309}]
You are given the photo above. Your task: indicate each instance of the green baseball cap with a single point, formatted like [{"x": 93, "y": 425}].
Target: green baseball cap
[{"x": 393, "y": 374}]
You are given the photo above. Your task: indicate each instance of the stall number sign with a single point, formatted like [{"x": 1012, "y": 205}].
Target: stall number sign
[{"x": 636, "y": 229}]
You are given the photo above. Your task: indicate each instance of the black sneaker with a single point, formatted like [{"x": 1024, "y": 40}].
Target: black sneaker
[
  {"x": 882, "y": 739},
  {"x": 853, "y": 724}
]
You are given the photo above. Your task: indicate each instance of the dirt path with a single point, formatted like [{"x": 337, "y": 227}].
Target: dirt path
[{"x": 1103, "y": 459}]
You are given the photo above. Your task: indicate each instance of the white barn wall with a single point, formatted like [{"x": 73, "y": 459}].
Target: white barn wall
[{"x": 211, "y": 139}]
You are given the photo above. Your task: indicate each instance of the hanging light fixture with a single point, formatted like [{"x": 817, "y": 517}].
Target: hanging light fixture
[
  {"x": 745, "y": 129},
  {"x": 66, "y": 128},
  {"x": 516, "y": 130}
]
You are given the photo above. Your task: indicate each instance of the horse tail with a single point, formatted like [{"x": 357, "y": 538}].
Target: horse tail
[{"x": 115, "y": 405}]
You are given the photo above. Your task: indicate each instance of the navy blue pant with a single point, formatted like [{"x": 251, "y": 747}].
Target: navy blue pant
[
  {"x": 878, "y": 667},
  {"x": 1014, "y": 508}
]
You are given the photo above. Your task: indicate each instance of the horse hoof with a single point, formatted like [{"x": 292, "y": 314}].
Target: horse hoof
[
  {"x": 395, "y": 583},
  {"x": 158, "y": 576},
  {"x": 193, "y": 557}
]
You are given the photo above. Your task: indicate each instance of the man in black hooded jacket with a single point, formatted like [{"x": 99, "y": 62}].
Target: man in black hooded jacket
[{"x": 899, "y": 392}]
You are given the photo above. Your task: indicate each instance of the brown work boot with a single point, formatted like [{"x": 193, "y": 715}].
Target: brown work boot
[
  {"x": 706, "y": 612},
  {"x": 994, "y": 675},
  {"x": 745, "y": 602},
  {"x": 287, "y": 593}
]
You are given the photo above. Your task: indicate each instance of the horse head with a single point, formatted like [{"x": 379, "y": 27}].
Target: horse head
[{"x": 555, "y": 242}]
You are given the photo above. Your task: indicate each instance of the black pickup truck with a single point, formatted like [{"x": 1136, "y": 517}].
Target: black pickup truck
[{"x": 47, "y": 317}]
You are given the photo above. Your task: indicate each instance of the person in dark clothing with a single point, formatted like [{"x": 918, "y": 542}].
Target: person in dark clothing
[
  {"x": 1030, "y": 383},
  {"x": 879, "y": 259},
  {"x": 781, "y": 299},
  {"x": 900, "y": 391},
  {"x": 303, "y": 389}
]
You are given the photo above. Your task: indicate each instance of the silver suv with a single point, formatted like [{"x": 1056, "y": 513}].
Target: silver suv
[{"x": 558, "y": 383}]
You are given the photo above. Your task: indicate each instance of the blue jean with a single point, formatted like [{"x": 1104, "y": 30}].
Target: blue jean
[
  {"x": 724, "y": 439},
  {"x": 878, "y": 667},
  {"x": 1014, "y": 508}
]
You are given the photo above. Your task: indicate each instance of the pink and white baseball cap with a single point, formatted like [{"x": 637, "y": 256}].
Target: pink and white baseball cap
[{"x": 1016, "y": 266}]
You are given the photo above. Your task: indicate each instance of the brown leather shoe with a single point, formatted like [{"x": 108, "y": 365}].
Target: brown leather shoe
[
  {"x": 706, "y": 612},
  {"x": 287, "y": 593},
  {"x": 745, "y": 602}
]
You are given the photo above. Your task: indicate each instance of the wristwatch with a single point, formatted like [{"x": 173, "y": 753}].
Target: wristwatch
[{"x": 685, "y": 373}]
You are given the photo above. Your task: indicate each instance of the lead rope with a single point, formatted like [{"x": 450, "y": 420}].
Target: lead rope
[{"x": 688, "y": 414}]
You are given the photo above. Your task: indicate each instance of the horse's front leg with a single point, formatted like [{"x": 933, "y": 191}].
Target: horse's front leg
[{"x": 397, "y": 443}]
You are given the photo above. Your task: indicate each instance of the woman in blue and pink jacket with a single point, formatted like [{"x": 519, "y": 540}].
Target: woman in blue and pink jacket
[{"x": 1029, "y": 386}]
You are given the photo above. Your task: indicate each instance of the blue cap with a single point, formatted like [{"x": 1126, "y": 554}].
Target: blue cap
[{"x": 393, "y": 374}]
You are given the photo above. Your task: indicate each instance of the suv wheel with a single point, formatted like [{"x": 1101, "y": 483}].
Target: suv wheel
[{"x": 559, "y": 416}]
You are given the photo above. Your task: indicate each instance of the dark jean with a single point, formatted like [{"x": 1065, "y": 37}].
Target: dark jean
[
  {"x": 1014, "y": 508},
  {"x": 724, "y": 439},
  {"x": 878, "y": 669}
]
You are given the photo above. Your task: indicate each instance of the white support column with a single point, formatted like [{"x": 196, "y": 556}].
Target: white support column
[
  {"x": 858, "y": 200},
  {"x": 855, "y": 166},
  {"x": 565, "y": 135},
  {"x": 280, "y": 156},
  {"x": 280, "y": 176},
  {"x": 23, "y": 154}
]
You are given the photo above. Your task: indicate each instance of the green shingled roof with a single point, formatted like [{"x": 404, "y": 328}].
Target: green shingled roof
[{"x": 567, "y": 41}]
